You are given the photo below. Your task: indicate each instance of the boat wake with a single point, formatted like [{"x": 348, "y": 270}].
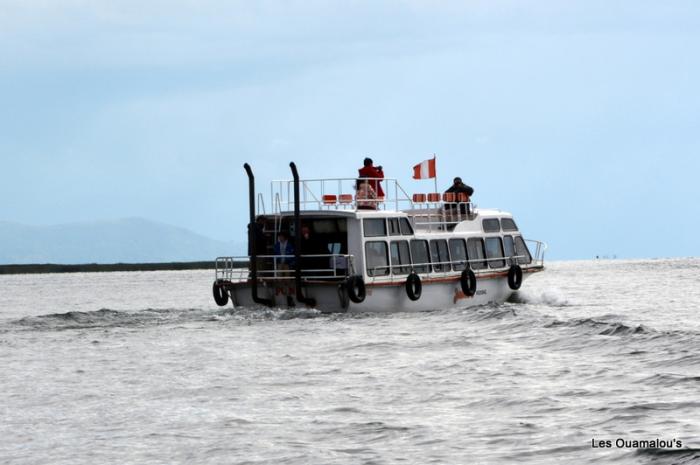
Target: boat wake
[
  {"x": 107, "y": 318},
  {"x": 547, "y": 298}
]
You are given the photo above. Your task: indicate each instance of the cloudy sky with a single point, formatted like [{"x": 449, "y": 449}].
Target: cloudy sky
[{"x": 580, "y": 117}]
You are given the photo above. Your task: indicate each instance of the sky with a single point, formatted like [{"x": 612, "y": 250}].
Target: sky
[{"x": 582, "y": 118}]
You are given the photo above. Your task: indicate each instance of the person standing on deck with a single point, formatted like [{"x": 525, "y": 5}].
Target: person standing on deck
[
  {"x": 371, "y": 171},
  {"x": 462, "y": 194},
  {"x": 284, "y": 261},
  {"x": 365, "y": 197}
]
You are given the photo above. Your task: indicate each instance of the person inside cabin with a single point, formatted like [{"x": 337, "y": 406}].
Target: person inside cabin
[
  {"x": 374, "y": 173},
  {"x": 258, "y": 235},
  {"x": 284, "y": 260},
  {"x": 310, "y": 245},
  {"x": 284, "y": 251},
  {"x": 462, "y": 194},
  {"x": 339, "y": 261},
  {"x": 365, "y": 196}
]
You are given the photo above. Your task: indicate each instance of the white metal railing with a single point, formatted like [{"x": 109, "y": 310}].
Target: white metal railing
[
  {"x": 313, "y": 194},
  {"x": 540, "y": 249},
  {"x": 271, "y": 267},
  {"x": 445, "y": 268},
  {"x": 260, "y": 205},
  {"x": 436, "y": 218},
  {"x": 343, "y": 265},
  {"x": 454, "y": 267}
]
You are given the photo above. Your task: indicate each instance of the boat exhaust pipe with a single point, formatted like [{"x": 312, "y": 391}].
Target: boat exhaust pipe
[
  {"x": 311, "y": 302},
  {"x": 252, "y": 246}
]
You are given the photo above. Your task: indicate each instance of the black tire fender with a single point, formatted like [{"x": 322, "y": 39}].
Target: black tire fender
[
  {"x": 220, "y": 294},
  {"x": 515, "y": 277},
  {"x": 414, "y": 287},
  {"x": 468, "y": 282},
  {"x": 355, "y": 286}
]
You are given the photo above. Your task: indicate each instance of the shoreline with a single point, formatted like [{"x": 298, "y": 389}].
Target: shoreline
[{"x": 37, "y": 268}]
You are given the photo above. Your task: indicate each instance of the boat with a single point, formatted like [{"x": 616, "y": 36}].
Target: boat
[{"x": 399, "y": 252}]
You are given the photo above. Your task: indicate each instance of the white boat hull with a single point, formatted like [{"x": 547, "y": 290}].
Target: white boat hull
[{"x": 380, "y": 297}]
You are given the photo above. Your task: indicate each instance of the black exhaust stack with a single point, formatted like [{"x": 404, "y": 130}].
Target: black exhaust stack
[
  {"x": 252, "y": 246},
  {"x": 311, "y": 302}
]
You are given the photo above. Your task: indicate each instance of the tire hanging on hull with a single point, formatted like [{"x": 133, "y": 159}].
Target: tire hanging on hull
[
  {"x": 355, "y": 286},
  {"x": 515, "y": 277},
  {"x": 220, "y": 294},
  {"x": 414, "y": 288},
  {"x": 468, "y": 282}
]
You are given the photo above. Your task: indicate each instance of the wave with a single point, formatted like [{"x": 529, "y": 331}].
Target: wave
[
  {"x": 669, "y": 379},
  {"x": 685, "y": 456},
  {"x": 603, "y": 328},
  {"x": 107, "y": 318}
]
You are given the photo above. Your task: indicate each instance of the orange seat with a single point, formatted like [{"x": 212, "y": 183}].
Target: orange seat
[
  {"x": 433, "y": 197},
  {"x": 448, "y": 197},
  {"x": 345, "y": 198},
  {"x": 419, "y": 198},
  {"x": 462, "y": 197},
  {"x": 329, "y": 199}
]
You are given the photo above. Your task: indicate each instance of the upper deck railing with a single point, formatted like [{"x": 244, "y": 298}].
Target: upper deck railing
[
  {"x": 271, "y": 267},
  {"x": 337, "y": 193},
  {"x": 432, "y": 211}
]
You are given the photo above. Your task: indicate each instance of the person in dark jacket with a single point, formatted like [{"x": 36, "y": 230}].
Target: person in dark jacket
[
  {"x": 457, "y": 188},
  {"x": 310, "y": 245},
  {"x": 371, "y": 171},
  {"x": 284, "y": 251}
]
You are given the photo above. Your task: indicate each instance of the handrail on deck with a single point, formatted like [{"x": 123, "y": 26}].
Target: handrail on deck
[
  {"x": 453, "y": 267},
  {"x": 314, "y": 190},
  {"x": 340, "y": 266}
]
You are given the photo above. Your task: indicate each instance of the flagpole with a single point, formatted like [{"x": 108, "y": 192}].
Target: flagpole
[{"x": 435, "y": 178}]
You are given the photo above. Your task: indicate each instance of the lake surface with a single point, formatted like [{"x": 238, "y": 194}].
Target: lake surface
[{"x": 143, "y": 367}]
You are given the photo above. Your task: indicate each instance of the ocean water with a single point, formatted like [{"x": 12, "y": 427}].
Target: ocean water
[{"x": 119, "y": 368}]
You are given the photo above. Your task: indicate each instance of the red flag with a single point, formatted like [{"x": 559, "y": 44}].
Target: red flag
[{"x": 424, "y": 170}]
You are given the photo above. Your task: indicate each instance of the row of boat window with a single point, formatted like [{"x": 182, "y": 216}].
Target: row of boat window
[
  {"x": 494, "y": 225},
  {"x": 441, "y": 255},
  {"x": 378, "y": 227}
]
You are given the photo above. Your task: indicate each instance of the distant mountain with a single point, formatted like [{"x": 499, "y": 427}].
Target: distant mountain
[{"x": 131, "y": 240}]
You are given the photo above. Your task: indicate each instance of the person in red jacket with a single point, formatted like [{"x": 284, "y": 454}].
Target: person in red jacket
[{"x": 371, "y": 171}]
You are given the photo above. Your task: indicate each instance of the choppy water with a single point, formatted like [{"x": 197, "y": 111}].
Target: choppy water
[{"x": 144, "y": 368}]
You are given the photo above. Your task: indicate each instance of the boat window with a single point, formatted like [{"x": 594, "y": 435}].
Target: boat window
[
  {"x": 324, "y": 226},
  {"x": 400, "y": 256},
  {"x": 522, "y": 251},
  {"x": 376, "y": 258},
  {"x": 439, "y": 255},
  {"x": 394, "y": 227},
  {"x": 421, "y": 258},
  {"x": 491, "y": 225},
  {"x": 508, "y": 224},
  {"x": 475, "y": 248},
  {"x": 406, "y": 228},
  {"x": 494, "y": 249},
  {"x": 374, "y": 227},
  {"x": 509, "y": 247},
  {"x": 458, "y": 252}
]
